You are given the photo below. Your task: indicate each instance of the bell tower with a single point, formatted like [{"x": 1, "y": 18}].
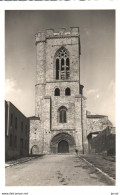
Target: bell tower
[{"x": 59, "y": 100}]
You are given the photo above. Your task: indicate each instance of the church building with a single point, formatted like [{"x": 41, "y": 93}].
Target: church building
[{"x": 60, "y": 124}]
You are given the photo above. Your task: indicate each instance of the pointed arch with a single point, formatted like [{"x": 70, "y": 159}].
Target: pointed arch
[
  {"x": 62, "y": 61},
  {"x": 58, "y": 138}
]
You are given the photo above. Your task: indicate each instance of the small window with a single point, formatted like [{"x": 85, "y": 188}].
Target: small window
[
  {"x": 21, "y": 143},
  {"x": 15, "y": 141},
  {"x": 67, "y": 68},
  {"x": 25, "y": 144},
  {"x": 21, "y": 126},
  {"x": 67, "y": 91},
  {"x": 11, "y": 120},
  {"x": 26, "y": 130},
  {"x": 21, "y": 146},
  {"x": 11, "y": 137},
  {"x": 62, "y": 114},
  {"x": 62, "y": 64},
  {"x": 57, "y": 92},
  {"x": 57, "y": 69},
  {"x": 16, "y": 122}
]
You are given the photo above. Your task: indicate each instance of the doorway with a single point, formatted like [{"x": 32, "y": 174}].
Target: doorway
[
  {"x": 63, "y": 147},
  {"x": 35, "y": 150}
]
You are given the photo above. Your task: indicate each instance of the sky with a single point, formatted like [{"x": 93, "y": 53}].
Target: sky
[{"x": 97, "y": 60}]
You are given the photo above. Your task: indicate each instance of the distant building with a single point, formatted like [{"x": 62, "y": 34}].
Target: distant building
[
  {"x": 96, "y": 123},
  {"x": 16, "y": 133}
]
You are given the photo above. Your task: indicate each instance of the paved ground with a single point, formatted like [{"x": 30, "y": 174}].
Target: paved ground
[{"x": 54, "y": 170}]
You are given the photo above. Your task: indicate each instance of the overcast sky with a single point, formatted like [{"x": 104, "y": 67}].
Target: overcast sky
[{"x": 97, "y": 34}]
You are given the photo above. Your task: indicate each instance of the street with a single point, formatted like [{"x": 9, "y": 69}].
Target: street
[{"x": 54, "y": 170}]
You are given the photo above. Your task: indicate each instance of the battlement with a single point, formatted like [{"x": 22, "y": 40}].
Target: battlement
[{"x": 49, "y": 33}]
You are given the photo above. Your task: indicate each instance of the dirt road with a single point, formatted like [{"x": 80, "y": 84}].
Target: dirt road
[{"x": 53, "y": 170}]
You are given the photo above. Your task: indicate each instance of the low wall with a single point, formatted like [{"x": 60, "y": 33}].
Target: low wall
[{"x": 104, "y": 142}]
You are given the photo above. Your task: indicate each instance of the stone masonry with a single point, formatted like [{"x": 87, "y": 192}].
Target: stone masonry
[
  {"x": 48, "y": 132},
  {"x": 60, "y": 122}
]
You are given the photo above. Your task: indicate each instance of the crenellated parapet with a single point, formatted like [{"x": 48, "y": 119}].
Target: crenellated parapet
[{"x": 62, "y": 33}]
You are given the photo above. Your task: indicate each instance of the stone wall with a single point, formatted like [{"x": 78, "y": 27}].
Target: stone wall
[
  {"x": 47, "y": 123},
  {"x": 36, "y": 135},
  {"x": 104, "y": 142},
  {"x": 47, "y": 104},
  {"x": 97, "y": 123},
  {"x": 84, "y": 125},
  {"x": 47, "y": 44},
  {"x": 52, "y": 45}
]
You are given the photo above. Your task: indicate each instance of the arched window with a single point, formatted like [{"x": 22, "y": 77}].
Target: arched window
[
  {"x": 67, "y": 91},
  {"x": 62, "y": 114},
  {"x": 57, "y": 68},
  {"x": 57, "y": 92},
  {"x": 67, "y": 68},
  {"x": 62, "y": 64}
]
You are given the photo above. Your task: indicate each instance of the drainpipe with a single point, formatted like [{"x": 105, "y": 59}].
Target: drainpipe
[
  {"x": 82, "y": 123},
  {"x": 79, "y": 53}
]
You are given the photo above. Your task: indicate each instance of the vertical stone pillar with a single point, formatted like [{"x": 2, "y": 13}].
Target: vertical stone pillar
[
  {"x": 40, "y": 78},
  {"x": 78, "y": 129},
  {"x": 81, "y": 124},
  {"x": 47, "y": 121},
  {"x": 40, "y": 88},
  {"x": 36, "y": 135},
  {"x": 84, "y": 125}
]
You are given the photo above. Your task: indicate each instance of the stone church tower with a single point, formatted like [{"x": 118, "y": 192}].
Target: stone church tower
[{"x": 59, "y": 125}]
